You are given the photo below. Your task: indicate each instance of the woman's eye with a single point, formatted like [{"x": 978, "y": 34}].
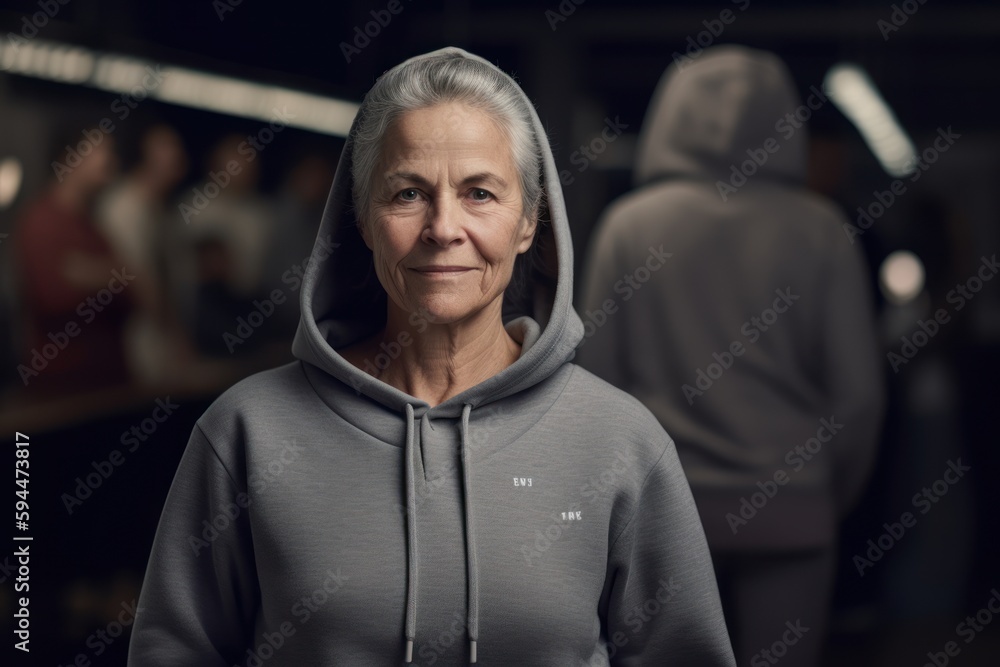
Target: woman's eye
[
  {"x": 410, "y": 194},
  {"x": 481, "y": 195}
]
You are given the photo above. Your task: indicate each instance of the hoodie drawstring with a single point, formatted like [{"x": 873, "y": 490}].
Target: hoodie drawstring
[
  {"x": 411, "y": 536},
  {"x": 471, "y": 563}
]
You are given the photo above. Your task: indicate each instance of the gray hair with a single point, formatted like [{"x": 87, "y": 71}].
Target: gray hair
[{"x": 439, "y": 79}]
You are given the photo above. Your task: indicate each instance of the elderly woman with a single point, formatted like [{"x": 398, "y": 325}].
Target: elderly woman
[{"x": 433, "y": 481}]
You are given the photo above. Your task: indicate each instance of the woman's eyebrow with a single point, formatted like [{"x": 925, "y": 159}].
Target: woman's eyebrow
[
  {"x": 484, "y": 177},
  {"x": 479, "y": 177},
  {"x": 413, "y": 177}
]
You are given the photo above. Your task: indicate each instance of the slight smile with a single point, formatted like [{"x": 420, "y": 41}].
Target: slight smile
[{"x": 441, "y": 270}]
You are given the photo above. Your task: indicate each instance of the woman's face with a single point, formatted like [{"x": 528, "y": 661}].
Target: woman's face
[{"x": 446, "y": 217}]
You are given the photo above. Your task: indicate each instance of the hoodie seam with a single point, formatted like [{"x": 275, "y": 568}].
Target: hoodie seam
[
  {"x": 642, "y": 488},
  {"x": 211, "y": 447},
  {"x": 337, "y": 415},
  {"x": 537, "y": 419}
]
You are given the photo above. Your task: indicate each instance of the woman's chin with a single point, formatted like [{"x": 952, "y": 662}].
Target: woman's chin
[{"x": 443, "y": 309}]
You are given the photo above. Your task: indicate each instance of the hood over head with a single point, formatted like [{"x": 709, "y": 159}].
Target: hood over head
[
  {"x": 706, "y": 113},
  {"x": 343, "y": 302}
]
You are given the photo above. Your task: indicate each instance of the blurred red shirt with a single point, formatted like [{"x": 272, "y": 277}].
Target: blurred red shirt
[{"x": 54, "y": 307}]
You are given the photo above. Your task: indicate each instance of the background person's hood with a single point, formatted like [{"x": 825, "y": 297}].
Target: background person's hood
[{"x": 708, "y": 111}]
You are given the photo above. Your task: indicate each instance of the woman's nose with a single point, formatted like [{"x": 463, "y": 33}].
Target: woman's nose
[{"x": 444, "y": 222}]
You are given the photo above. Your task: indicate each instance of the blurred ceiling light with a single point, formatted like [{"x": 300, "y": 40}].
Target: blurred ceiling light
[
  {"x": 901, "y": 277},
  {"x": 10, "y": 180},
  {"x": 856, "y": 96},
  {"x": 66, "y": 63}
]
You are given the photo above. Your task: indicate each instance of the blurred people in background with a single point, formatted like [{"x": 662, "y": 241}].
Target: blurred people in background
[
  {"x": 300, "y": 205},
  {"x": 224, "y": 225},
  {"x": 133, "y": 216},
  {"x": 74, "y": 293},
  {"x": 727, "y": 298}
]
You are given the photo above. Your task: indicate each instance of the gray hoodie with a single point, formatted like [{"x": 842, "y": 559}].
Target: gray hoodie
[
  {"x": 322, "y": 517},
  {"x": 754, "y": 344}
]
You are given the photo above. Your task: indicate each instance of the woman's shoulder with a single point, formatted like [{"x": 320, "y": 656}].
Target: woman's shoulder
[
  {"x": 604, "y": 397},
  {"x": 612, "y": 412},
  {"x": 269, "y": 392}
]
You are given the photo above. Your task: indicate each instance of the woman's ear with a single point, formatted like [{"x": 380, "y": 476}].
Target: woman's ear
[
  {"x": 365, "y": 236},
  {"x": 529, "y": 228}
]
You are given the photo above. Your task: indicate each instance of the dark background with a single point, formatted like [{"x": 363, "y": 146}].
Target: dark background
[{"x": 940, "y": 69}]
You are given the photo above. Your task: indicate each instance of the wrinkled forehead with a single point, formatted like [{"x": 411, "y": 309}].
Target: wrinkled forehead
[{"x": 463, "y": 138}]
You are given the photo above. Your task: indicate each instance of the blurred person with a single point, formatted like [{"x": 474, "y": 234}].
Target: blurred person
[
  {"x": 396, "y": 504},
  {"x": 230, "y": 205},
  {"x": 753, "y": 342},
  {"x": 299, "y": 208},
  {"x": 75, "y": 294},
  {"x": 224, "y": 208},
  {"x": 133, "y": 216},
  {"x": 301, "y": 201}
]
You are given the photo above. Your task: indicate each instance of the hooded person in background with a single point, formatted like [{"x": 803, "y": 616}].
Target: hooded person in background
[
  {"x": 754, "y": 343},
  {"x": 433, "y": 479}
]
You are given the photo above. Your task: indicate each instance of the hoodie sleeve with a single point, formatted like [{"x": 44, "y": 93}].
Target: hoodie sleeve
[
  {"x": 200, "y": 592},
  {"x": 854, "y": 373},
  {"x": 663, "y": 607}
]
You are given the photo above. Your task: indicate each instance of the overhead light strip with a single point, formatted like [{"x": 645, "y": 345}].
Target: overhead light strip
[
  {"x": 856, "y": 96},
  {"x": 64, "y": 63}
]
